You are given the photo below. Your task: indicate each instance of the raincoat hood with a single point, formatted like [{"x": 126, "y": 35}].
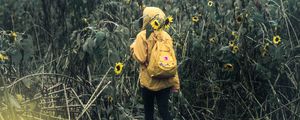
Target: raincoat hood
[{"x": 150, "y": 13}]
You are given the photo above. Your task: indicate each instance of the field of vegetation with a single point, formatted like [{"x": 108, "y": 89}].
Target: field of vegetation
[{"x": 70, "y": 59}]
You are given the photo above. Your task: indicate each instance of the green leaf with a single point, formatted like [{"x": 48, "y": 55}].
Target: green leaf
[
  {"x": 13, "y": 101},
  {"x": 109, "y": 110},
  {"x": 27, "y": 82},
  {"x": 16, "y": 55},
  {"x": 258, "y": 17},
  {"x": 27, "y": 46},
  {"x": 263, "y": 71},
  {"x": 122, "y": 31},
  {"x": 88, "y": 45},
  {"x": 20, "y": 117},
  {"x": 81, "y": 55},
  {"x": 224, "y": 48},
  {"x": 148, "y": 30},
  {"x": 122, "y": 116},
  {"x": 1, "y": 117},
  {"x": 139, "y": 106},
  {"x": 32, "y": 106},
  {"x": 260, "y": 68},
  {"x": 19, "y": 97},
  {"x": 273, "y": 23},
  {"x": 100, "y": 36}
]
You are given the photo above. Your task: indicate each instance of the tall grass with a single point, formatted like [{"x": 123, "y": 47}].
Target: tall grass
[{"x": 62, "y": 55}]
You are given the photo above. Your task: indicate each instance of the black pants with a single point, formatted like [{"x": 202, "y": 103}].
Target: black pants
[{"x": 162, "y": 98}]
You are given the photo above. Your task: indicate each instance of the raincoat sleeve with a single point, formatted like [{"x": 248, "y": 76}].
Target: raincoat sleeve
[{"x": 138, "y": 49}]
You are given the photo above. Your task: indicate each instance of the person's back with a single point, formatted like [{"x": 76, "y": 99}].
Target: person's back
[{"x": 141, "y": 50}]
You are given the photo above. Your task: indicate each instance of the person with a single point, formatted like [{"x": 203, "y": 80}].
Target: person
[{"x": 152, "y": 88}]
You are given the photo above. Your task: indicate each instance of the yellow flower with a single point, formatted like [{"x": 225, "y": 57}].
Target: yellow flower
[
  {"x": 231, "y": 43},
  {"x": 212, "y": 40},
  {"x": 155, "y": 24},
  {"x": 235, "y": 34},
  {"x": 118, "y": 68},
  {"x": 235, "y": 49},
  {"x": 128, "y": 1},
  {"x": 210, "y": 3},
  {"x": 276, "y": 39},
  {"x": 264, "y": 49},
  {"x": 85, "y": 21},
  {"x": 3, "y": 57},
  {"x": 228, "y": 67},
  {"x": 264, "y": 52},
  {"x": 110, "y": 99},
  {"x": 13, "y": 36},
  {"x": 195, "y": 19},
  {"x": 168, "y": 22},
  {"x": 20, "y": 98}
]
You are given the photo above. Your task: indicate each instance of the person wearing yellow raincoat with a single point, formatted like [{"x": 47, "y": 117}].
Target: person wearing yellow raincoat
[{"x": 153, "y": 88}]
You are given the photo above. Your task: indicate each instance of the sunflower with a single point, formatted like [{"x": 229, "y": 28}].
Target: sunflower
[
  {"x": 235, "y": 49},
  {"x": 212, "y": 40},
  {"x": 110, "y": 99},
  {"x": 228, "y": 67},
  {"x": 3, "y": 57},
  {"x": 13, "y": 36},
  {"x": 276, "y": 40},
  {"x": 210, "y": 3},
  {"x": 118, "y": 68},
  {"x": 239, "y": 19},
  {"x": 264, "y": 52},
  {"x": 155, "y": 24},
  {"x": 195, "y": 19},
  {"x": 168, "y": 22},
  {"x": 231, "y": 43},
  {"x": 235, "y": 34}
]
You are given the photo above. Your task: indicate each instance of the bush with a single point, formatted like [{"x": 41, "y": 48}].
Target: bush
[{"x": 238, "y": 59}]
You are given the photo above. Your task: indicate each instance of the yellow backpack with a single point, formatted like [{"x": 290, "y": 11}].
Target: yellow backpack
[{"x": 162, "y": 61}]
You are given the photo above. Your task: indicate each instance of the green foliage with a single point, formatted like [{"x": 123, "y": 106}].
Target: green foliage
[{"x": 62, "y": 53}]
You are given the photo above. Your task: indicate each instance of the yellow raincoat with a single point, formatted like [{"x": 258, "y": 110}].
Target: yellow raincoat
[{"x": 140, "y": 52}]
